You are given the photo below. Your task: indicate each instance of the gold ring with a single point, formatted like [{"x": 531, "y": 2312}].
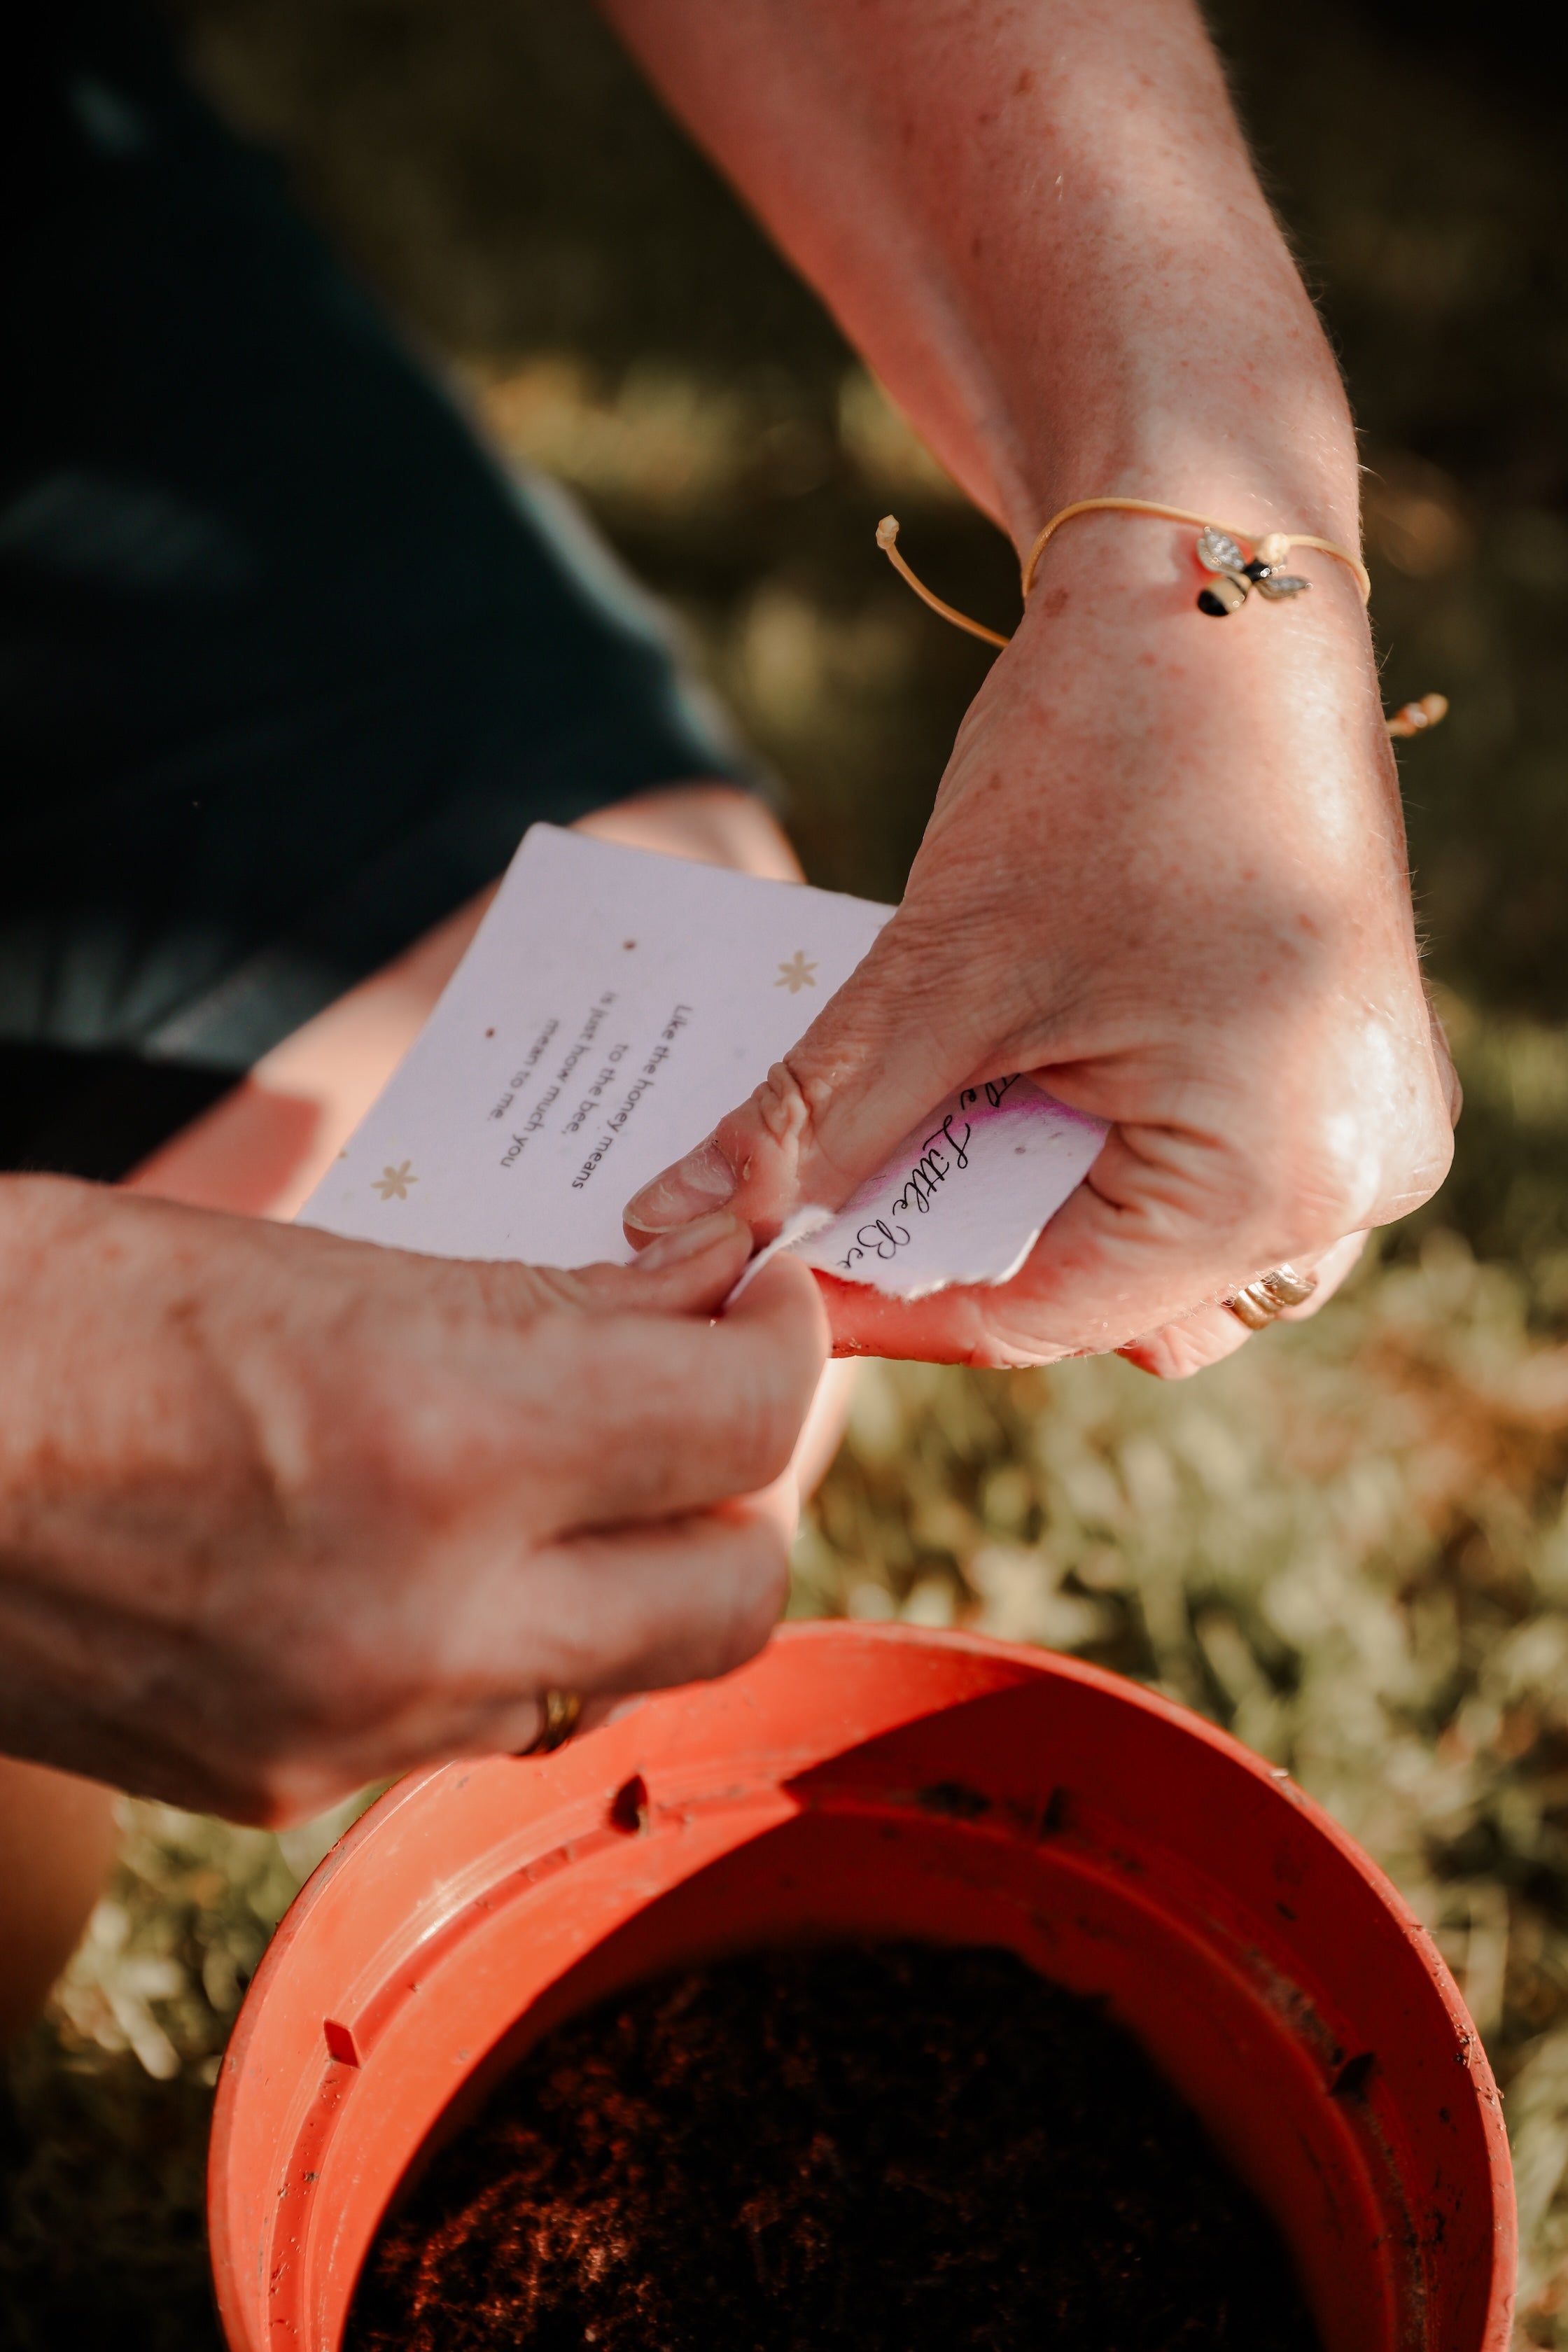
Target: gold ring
[
  {"x": 560, "y": 1713},
  {"x": 1256, "y": 1304}
]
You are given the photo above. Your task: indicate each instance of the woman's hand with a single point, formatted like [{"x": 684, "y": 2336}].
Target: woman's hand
[
  {"x": 1166, "y": 868},
  {"x": 1165, "y": 876},
  {"x": 281, "y": 1514}
]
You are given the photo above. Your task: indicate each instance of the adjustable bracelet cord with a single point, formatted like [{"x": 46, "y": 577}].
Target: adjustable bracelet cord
[
  {"x": 888, "y": 540},
  {"x": 1222, "y": 554}
]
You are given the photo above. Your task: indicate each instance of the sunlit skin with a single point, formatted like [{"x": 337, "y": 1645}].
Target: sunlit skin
[
  {"x": 1166, "y": 868},
  {"x": 358, "y": 1509}
]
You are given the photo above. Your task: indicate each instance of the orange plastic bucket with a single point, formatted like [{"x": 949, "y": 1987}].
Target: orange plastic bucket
[{"x": 856, "y": 1781}]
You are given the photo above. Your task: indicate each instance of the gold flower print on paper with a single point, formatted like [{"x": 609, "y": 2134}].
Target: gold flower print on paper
[
  {"x": 392, "y": 1182},
  {"x": 796, "y": 974}
]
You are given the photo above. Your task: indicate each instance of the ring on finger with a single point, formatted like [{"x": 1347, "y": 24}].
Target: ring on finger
[
  {"x": 1257, "y": 1303},
  {"x": 560, "y": 1711}
]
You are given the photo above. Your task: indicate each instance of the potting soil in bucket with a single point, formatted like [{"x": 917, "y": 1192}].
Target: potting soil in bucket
[{"x": 888, "y": 2145}]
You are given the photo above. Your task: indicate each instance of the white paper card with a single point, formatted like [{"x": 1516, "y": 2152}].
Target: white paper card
[
  {"x": 613, "y": 1007},
  {"x": 966, "y": 1195}
]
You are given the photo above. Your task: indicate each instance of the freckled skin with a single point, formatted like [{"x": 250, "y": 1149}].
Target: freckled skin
[
  {"x": 1166, "y": 867},
  {"x": 356, "y": 1509}
]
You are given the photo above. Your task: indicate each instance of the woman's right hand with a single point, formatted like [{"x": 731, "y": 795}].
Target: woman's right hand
[{"x": 282, "y": 1513}]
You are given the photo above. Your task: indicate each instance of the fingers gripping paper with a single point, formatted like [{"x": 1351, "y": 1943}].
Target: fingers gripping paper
[{"x": 613, "y": 1007}]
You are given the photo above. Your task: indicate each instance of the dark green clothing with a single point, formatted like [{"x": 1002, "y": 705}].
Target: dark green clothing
[{"x": 287, "y": 664}]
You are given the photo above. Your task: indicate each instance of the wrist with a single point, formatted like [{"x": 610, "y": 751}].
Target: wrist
[
  {"x": 1274, "y": 454},
  {"x": 116, "y": 1427},
  {"x": 1203, "y": 379},
  {"x": 1249, "y": 483}
]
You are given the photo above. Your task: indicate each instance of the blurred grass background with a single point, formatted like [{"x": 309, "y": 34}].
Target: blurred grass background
[{"x": 1349, "y": 1544}]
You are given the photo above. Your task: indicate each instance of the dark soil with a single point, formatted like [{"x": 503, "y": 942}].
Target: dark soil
[{"x": 894, "y": 2146}]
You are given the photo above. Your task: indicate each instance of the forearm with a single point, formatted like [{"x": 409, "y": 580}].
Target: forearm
[
  {"x": 107, "y": 1400},
  {"x": 1041, "y": 227},
  {"x": 127, "y": 1463}
]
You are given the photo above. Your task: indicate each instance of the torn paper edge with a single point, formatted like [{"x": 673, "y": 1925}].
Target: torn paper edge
[
  {"x": 937, "y": 1282},
  {"x": 799, "y": 1227},
  {"x": 804, "y": 1223}
]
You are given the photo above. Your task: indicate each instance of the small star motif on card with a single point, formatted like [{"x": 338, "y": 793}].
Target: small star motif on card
[
  {"x": 796, "y": 974},
  {"x": 392, "y": 1182}
]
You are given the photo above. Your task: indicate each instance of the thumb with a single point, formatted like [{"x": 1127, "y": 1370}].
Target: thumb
[{"x": 891, "y": 1043}]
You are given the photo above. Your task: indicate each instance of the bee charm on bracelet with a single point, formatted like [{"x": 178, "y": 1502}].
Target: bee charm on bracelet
[{"x": 1235, "y": 575}]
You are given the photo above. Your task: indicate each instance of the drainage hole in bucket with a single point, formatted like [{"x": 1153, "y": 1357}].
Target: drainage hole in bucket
[
  {"x": 628, "y": 1806},
  {"x": 886, "y": 2146}
]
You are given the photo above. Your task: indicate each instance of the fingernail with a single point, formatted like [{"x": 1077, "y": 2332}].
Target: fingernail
[
  {"x": 702, "y": 1182},
  {"x": 687, "y": 1241}
]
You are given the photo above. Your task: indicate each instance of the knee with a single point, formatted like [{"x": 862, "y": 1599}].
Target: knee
[{"x": 56, "y": 1845}]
